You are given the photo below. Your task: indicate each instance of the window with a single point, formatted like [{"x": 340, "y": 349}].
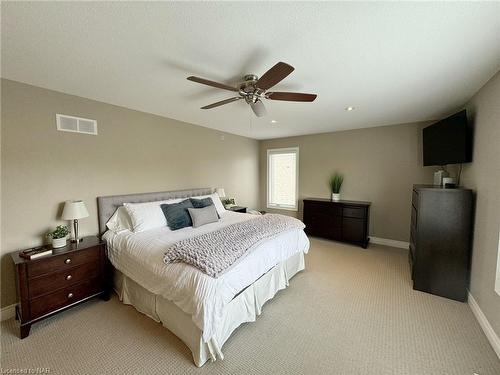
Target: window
[{"x": 283, "y": 178}]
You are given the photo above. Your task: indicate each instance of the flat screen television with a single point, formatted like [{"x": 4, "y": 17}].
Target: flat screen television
[{"x": 448, "y": 141}]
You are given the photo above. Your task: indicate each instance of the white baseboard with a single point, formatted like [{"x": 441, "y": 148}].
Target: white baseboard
[
  {"x": 388, "y": 242},
  {"x": 485, "y": 325},
  {"x": 8, "y": 312}
]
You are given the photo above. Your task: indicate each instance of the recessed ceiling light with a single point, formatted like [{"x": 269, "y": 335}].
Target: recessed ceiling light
[
  {"x": 273, "y": 121},
  {"x": 349, "y": 108}
]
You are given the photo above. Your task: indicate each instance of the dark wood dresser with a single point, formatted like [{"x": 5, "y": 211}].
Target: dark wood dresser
[
  {"x": 53, "y": 283},
  {"x": 440, "y": 240},
  {"x": 345, "y": 221}
]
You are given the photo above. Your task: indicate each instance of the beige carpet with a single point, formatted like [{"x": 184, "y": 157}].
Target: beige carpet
[{"x": 351, "y": 312}]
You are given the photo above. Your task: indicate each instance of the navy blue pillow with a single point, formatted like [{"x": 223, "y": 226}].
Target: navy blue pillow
[
  {"x": 177, "y": 214},
  {"x": 201, "y": 203}
]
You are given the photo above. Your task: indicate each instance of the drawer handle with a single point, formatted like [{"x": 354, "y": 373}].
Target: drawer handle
[
  {"x": 67, "y": 261},
  {"x": 70, "y": 295},
  {"x": 69, "y": 277}
]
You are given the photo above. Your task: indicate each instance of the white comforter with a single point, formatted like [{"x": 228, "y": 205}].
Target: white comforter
[{"x": 140, "y": 257}]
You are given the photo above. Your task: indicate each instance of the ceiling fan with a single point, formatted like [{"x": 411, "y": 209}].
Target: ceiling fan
[{"x": 253, "y": 89}]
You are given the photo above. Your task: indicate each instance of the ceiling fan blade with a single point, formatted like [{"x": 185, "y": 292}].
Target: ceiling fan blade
[
  {"x": 274, "y": 75},
  {"x": 207, "y": 82},
  {"x": 291, "y": 96},
  {"x": 258, "y": 108},
  {"x": 222, "y": 102}
]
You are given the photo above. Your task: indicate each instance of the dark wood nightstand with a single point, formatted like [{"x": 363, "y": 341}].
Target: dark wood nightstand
[
  {"x": 53, "y": 283},
  {"x": 238, "y": 209}
]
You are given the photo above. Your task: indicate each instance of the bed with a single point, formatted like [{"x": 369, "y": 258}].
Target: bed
[{"x": 201, "y": 310}]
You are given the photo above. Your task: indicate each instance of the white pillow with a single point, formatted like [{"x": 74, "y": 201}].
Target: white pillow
[
  {"x": 148, "y": 215},
  {"x": 216, "y": 199},
  {"x": 120, "y": 221}
]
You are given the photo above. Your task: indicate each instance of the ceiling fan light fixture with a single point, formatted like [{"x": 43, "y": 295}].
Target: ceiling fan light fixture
[
  {"x": 254, "y": 89},
  {"x": 273, "y": 121},
  {"x": 349, "y": 109},
  {"x": 258, "y": 108}
]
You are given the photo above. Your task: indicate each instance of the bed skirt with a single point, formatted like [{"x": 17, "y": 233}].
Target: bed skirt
[{"x": 245, "y": 307}]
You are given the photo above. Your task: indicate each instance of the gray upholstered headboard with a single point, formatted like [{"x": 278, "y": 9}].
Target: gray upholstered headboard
[{"x": 106, "y": 206}]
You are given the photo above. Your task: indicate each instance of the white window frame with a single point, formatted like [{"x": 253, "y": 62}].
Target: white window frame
[{"x": 283, "y": 151}]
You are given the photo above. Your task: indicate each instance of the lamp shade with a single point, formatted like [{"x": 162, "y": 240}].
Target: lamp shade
[
  {"x": 220, "y": 192},
  {"x": 74, "y": 210}
]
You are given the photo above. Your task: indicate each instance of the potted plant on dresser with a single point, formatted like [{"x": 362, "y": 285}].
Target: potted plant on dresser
[
  {"x": 335, "y": 183},
  {"x": 59, "y": 236}
]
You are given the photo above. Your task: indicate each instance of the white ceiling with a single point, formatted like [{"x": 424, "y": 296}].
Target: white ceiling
[{"x": 394, "y": 62}]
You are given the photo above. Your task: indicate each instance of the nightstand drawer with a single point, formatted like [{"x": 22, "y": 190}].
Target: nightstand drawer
[
  {"x": 355, "y": 212},
  {"x": 63, "y": 297},
  {"x": 53, "y": 281},
  {"x": 62, "y": 262}
]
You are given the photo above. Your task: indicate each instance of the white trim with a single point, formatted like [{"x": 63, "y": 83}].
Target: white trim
[
  {"x": 284, "y": 208},
  {"x": 279, "y": 151},
  {"x": 485, "y": 325},
  {"x": 388, "y": 242},
  {"x": 8, "y": 312}
]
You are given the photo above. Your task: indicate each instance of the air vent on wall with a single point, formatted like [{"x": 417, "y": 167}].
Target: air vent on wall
[{"x": 76, "y": 124}]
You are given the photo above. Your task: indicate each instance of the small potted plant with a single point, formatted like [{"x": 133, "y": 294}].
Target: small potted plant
[
  {"x": 58, "y": 236},
  {"x": 335, "y": 183}
]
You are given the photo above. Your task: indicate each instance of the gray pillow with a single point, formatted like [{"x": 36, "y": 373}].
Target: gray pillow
[
  {"x": 202, "y": 216},
  {"x": 200, "y": 203}
]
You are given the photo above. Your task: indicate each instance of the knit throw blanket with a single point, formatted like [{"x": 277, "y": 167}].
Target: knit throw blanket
[{"x": 214, "y": 252}]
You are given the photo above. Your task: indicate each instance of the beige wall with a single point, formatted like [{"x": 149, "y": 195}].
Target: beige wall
[
  {"x": 483, "y": 175},
  {"x": 139, "y": 152},
  {"x": 379, "y": 165},
  {"x": 134, "y": 152}
]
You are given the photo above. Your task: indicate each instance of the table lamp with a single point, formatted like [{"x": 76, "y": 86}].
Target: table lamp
[
  {"x": 220, "y": 192},
  {"x": 74, "y": 210}
]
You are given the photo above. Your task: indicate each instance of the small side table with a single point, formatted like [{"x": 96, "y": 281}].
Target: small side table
[
  {"x": 53, "y": 283},
  {"x": 238, "y": 209}
]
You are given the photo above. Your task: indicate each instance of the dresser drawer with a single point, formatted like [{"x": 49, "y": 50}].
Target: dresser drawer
[
  {"x": 53, "y": 281},
  {"x": 62, "y": 262},
  {"x": 353, "y": 229},
  {"x": 355, "y": 212},
  {"x": 331, "y": 207},
  {"x": 336, "y": 210},
  {"x": 63, "y": 297}
]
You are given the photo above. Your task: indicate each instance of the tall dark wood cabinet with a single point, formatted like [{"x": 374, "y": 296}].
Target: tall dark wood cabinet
[
  {"x": 345, "y": 221},
  {"x": 440, "y": 240}
]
